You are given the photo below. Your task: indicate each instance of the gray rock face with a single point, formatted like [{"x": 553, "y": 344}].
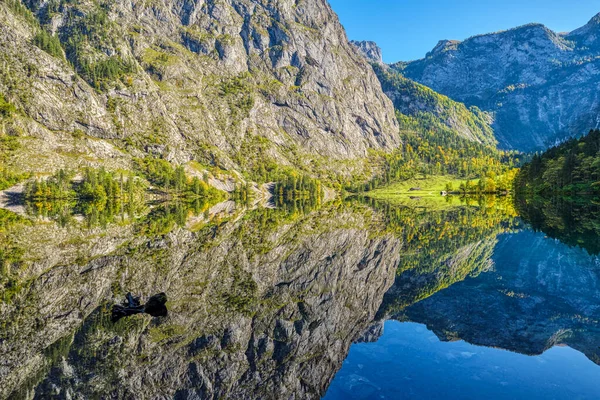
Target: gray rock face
[
  {"x": 541, "y": 86},
  {"x": 423, "y": 104},
  {"x": 369, "y": 50},
  {"x": 208, "y": 78}
]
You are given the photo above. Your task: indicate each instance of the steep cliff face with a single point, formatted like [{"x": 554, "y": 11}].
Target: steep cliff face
[
  {"x": 427, "y": 108},
  {"x": 541, "y": 86},
  {"x": 256, "y": 310},
  {"x": 370, "y": 50},
  {"x": 208, "y": 80}
]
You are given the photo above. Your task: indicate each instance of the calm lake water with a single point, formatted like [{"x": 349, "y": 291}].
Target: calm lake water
[
  {"x": 410, "y": 362},
  {"x": 460, "y": 299},
  {"x": 525, "y": 329}
]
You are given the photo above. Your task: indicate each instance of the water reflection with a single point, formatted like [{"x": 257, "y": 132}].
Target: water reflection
[
  {"x": 574, "y": 221},
  {"x": 262, "y": 304},
  {"x": 266, "y": 302},
  {"x": 410, "y": 362},
  {"x": 539, "y": 294},
  {"x": 507, "y": 287}
]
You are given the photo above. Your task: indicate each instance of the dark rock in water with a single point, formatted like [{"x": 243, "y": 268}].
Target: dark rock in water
[{"x": 155, "y": 307}]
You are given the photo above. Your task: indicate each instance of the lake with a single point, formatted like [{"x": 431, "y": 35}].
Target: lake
[
  {"x": 358, "y": 299},
  {"x": 527, "y": 328},
  {"x": 410, "y": 362}
]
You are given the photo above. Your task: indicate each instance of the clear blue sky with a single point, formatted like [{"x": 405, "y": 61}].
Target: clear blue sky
[{"x": 407, "y": 29}]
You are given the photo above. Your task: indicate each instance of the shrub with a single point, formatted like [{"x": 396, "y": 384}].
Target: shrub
[
  {"x": 6, "y": 109},
  {"x": 49, "y": 43}
]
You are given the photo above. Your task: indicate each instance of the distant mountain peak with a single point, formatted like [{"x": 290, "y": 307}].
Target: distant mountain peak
[
  {"x": 370, "y": 50},
  {"x": 532, "y": 25},
  {"x": 595, "y": 19},
  {"x": 443, "y": 46},
  {"x": 538, "y": 84},
  {"x": 528, "y": 30},
  {"x": 592, "y": 24},
  {"x": 590, "y": 32}
]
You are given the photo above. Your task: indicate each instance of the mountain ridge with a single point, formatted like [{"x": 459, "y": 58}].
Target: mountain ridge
[
  {"x": 242, "y": 85},
  {"x": 422, "y": 103},
  {"x": 540, "y": 86}
]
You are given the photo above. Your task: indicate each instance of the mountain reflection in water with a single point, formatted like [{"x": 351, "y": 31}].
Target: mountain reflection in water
[
  {"x": 266, "y": 303},
  {"x": 521, "y": 291}
]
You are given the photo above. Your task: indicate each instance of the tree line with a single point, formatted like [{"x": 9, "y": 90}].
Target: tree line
[
  {"x": 96, "y": 185},
  {"x": 293, "y": 187},
  {"x": 491, "y": 183},
  {"x": 430, "y": 147},
  {"x": 173, "y": 181},
  {"x": 569, "y": 168}
]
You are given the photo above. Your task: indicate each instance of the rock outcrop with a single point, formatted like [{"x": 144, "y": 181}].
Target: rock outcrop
[
  {"x": 370, "y": 50},
  {"x": 233, "y": 83}
]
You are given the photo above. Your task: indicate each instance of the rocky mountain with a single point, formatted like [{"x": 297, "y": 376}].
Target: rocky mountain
[
  {"x": 587, "y": 37},
  {"x": 426, "y": 108},
  {"x": 370, "y": 50},
  {"x": 540, "y": 86},
  {"x": 233, "y": 83}
]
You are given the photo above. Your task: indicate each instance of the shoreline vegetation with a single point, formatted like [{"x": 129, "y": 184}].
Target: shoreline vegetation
[
  {"x": 445, "y": 185},
  {"x": 558, "y": 192},
  {"x": 158, "y": 192},
  {"x": 571, "y": 168},
  {"x": 156, "y": 180},
  {"x": 155, "y": 189}
]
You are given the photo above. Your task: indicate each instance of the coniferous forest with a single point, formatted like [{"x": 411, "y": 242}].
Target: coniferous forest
[{"x": 570, "y": 168}]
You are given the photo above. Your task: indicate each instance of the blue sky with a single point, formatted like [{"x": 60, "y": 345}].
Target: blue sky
[{"x": 407, "y": 29}]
